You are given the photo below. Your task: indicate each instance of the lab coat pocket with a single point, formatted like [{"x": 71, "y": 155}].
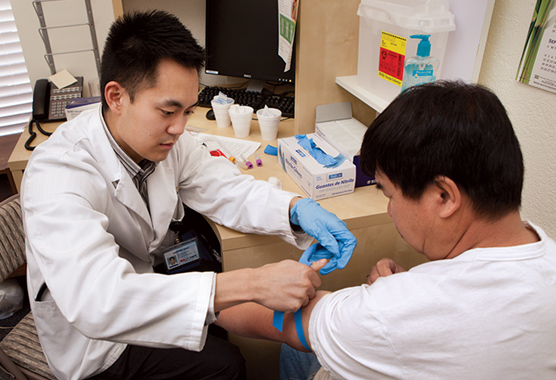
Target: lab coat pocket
[
  {"x": 56, "y": 335},
  {"x": 50, "y": 323},
  {"x": 43, "y": 306}
]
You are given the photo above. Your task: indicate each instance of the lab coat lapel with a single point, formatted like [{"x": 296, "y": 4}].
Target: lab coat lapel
[
  {"x": 127, "y": 194},
  {"x": 125, "y": 190}
]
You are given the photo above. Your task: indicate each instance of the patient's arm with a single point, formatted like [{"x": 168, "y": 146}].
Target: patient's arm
[{"x": 255, "y": 321}]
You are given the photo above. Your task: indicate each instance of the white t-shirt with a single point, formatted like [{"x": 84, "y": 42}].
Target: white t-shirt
[{"x": 486, "y": 314}]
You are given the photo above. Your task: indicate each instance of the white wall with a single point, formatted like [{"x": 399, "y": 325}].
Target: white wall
[
  {"x": 57, "y": 13},
  {"x": 532, "y": 110},
  {"x": 73, "y": 12},
  {"x": 193, "y": 17}
]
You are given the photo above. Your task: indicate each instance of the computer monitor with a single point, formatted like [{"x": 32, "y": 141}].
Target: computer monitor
[{"x": 242, "y": 41}]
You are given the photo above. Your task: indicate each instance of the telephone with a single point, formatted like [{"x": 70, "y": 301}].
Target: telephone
[{"x": 49, "y": 104}]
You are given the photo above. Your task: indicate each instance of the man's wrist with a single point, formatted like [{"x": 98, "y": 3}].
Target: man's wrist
[
  {"x": 293, "y": 201},
  {"x": 295, "y": 228}
]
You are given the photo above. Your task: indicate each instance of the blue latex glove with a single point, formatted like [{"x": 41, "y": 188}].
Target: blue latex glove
[
  {"x": 318, "y": 154},
  {"x": 313, "y": 253},
  {"x": 330, "y": 232},
  {"x": 317, "y": 252}
]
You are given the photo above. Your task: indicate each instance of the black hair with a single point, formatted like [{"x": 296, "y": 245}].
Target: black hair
[
  {"x": 137, "y": 42},
  {"x": 452, "y": 129}
]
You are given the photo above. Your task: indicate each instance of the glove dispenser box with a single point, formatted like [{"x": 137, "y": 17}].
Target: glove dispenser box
[{"x": 318, "y": 181}]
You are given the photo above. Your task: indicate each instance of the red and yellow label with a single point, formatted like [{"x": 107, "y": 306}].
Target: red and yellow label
[{"x": 392, "y": 57}]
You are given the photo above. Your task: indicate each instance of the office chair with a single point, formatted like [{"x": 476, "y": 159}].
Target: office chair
[{"x": 21, "y": 355}]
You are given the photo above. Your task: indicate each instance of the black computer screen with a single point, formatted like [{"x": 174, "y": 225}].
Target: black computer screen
[{"x": 242, "y": 40}]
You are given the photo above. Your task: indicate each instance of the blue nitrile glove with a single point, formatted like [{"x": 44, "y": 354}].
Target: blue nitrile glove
[
  {"x": 318, "y": 154},
  {"x": 330, "y": 232},
  {"x": 316, "y": 252}
]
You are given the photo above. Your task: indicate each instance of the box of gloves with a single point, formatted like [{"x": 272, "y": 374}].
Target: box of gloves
[
  {"x": 318, "y": 168},
  {"x": 335, "y": 124},
  {"x": 78, "y": 105}
]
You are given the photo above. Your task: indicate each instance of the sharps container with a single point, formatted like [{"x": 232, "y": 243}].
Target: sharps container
[{"x": 385, "y": 27}]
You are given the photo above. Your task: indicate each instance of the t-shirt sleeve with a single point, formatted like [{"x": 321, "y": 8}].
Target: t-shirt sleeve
[{"x": 349, "y": 339}]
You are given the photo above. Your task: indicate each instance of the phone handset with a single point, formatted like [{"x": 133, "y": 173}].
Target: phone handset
[
  {"x": 41, "y": 94},
  {"x": 40, "y": 99},
  {"x": 49, "y": 103}
]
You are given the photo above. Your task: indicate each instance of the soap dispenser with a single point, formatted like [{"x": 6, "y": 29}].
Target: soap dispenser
[{"x": 421, "y": 68}]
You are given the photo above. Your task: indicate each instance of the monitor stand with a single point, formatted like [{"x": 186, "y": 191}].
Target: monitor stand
[{"x": 255, "y": 85}]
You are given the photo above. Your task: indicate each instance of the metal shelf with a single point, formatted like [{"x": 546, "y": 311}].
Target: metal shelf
[{"x": 43, "y": 31}]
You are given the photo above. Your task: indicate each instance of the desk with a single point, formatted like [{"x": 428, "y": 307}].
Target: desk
[
  {"x": 19, "y": 157},
  {"x": 364, "y": 211}
]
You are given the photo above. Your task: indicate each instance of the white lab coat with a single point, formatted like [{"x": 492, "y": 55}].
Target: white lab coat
[{"x": 91, "y": 239}]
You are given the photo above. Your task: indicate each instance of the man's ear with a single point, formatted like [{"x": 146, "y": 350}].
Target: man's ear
[
  {"x": 450, "y": 196},
  {"x": 114, "y": 94}
]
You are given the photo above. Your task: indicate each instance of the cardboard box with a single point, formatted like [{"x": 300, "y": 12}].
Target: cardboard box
[
  {"x": 335, "y": 124},
  {"x": 316, "y": 180}
]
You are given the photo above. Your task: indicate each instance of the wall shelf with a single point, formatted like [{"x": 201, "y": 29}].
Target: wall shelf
[
  {"x": 463, "y": 56},
  {"x": 372, "y": 100}
]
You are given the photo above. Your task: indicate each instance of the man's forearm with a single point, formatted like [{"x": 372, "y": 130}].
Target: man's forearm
[
  {"x": 250, "y": 320},
  {"x": 255, "y": 321}
]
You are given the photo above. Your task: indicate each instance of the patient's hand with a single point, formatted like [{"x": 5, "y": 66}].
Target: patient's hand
[{"x": 385, "y": 267}]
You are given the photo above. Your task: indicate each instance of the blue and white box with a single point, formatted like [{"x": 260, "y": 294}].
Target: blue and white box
[
  {"x": 78, "y": 105},
  {"x": 315, "y": 179}
]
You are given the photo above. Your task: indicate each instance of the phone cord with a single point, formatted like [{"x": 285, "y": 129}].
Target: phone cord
[{"x": 32, "y": 134}]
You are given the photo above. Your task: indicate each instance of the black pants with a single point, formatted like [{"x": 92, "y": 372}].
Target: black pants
[{"x": 219, "y": 360}]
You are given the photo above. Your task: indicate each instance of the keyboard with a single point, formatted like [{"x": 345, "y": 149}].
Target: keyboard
[{"x": 254, "y": 99}]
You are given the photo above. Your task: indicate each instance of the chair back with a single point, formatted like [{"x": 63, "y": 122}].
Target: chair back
[{"x": 12, "y": 237}]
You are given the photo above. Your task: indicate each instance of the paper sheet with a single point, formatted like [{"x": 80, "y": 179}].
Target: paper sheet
[
  {"x": 235, "y": 147},
  {"x": 62, "y": 79}
]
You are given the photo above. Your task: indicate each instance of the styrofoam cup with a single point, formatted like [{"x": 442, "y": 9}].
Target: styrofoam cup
[
  {"x": 269, "y": 119},
  {"x": 241, "y": 117},
  {"x": 221, "y": 113}
]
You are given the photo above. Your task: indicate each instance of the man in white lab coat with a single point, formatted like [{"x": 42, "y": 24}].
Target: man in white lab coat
[{"x": 98, "y": 198}]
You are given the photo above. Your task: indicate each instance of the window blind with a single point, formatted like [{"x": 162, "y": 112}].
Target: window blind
[{"x": 16, "y": 93}]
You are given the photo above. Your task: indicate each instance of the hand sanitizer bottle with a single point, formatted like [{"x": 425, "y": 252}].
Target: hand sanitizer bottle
[{"x": 422, "y": 68}]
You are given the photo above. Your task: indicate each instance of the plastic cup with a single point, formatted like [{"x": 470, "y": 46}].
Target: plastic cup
[
  {"x": 269, "y": 118},
  {"x": 221, "y": 113},
  {"x": 241, "y": 117}
]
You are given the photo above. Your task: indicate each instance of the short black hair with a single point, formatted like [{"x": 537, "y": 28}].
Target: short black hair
[
  {"x": 453, "y": 129},
  {"x": 138, "y": 41}
]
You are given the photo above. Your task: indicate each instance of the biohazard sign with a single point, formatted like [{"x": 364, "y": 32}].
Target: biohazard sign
[{"x": 392, "y": 57}]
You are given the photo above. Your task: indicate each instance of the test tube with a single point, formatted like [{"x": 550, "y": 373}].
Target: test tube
[
  {"x": 258, "y": 159},
  {"x": 228, "y": 154},
  {"x": 247, "y": 162},
  {"x": 241, "y": 164}
]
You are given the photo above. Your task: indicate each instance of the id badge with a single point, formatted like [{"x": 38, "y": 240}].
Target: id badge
[{"x": 181, "y": 256}]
